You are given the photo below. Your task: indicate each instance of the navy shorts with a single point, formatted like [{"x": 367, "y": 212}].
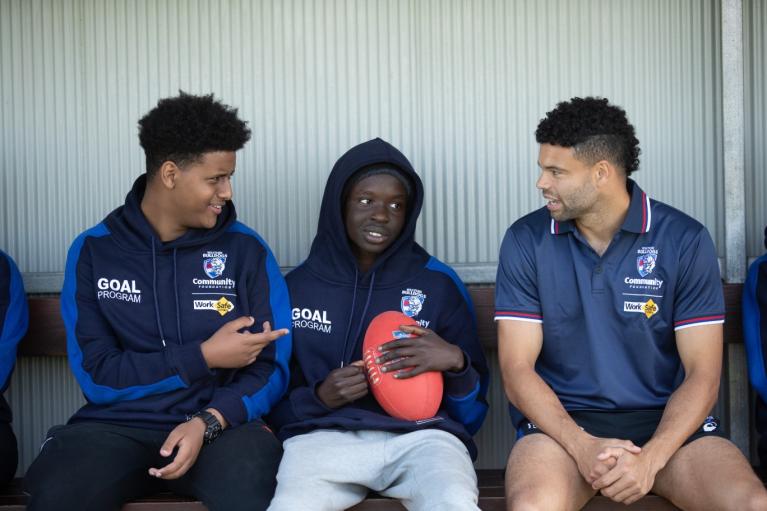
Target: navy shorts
[{"x": 635, "y": 425}]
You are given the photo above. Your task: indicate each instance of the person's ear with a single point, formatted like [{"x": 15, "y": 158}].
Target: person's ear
[{"x": 168, "y": 174}]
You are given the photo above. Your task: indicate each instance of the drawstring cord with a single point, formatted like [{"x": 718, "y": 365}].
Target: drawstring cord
[
  {"x": 362, "y": 316},
  {"x": 175, "y": 290},
  {"x": 154, "y": 293},
  {"x": 351, "y": 315}
]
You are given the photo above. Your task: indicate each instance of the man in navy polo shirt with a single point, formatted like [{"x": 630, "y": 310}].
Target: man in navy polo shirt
[{"x": 611, "y": 339}]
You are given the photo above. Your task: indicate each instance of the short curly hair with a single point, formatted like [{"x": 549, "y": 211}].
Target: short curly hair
[
  {"x": 182, "y": 128},
  {"x": 595, "y": 129}
]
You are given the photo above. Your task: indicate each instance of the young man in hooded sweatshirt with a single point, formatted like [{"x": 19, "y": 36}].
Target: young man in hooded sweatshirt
[
  {"x": 168, "y": 305},
  {"x": 14, "y": 319},
  {"x": 339, "y": 443}
]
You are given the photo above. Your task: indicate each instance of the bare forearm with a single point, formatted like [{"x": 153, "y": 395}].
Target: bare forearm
[
  {"x": 684, "y": 412},
  {"x": 534, "y": 398}
]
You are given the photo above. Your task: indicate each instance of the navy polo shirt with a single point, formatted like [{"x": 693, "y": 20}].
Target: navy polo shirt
[{"x": 608, "y": 322}]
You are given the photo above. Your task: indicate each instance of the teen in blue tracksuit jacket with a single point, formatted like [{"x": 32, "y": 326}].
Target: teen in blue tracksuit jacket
[
  {"x": 14, "y": 318},
  {"x": 333, "y": 303},
  {"x": 177, "y": 322},
  {"x": 149, "y": 372}
]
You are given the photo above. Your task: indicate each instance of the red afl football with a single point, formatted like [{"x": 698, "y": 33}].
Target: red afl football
[{"x": 411, "y": 399}]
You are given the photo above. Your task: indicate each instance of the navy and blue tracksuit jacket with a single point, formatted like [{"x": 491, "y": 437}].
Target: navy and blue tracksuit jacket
[
  {"x": 333, "y": 303},
  {"x": 14, "y": 319},
  {"x": 136, "y": 311}
]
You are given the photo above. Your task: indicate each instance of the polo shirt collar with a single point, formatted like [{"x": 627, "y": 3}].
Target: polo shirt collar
[{"x": 638, "y": 219}]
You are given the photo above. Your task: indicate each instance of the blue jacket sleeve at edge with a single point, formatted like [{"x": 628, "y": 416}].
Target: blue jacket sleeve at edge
[
  {"x": 15, "y": 323},
  {"x": 752, "y": 332}
]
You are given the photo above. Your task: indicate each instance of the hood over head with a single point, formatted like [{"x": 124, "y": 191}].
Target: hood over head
[{"x": 331, "y": 256}]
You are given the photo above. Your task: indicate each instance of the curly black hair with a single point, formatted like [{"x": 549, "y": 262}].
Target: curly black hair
[
  {"x": 595, "y": 129},
  {"x": 182, "y": 128}
]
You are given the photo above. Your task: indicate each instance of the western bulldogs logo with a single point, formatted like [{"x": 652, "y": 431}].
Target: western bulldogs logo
[
  {"x": 646, "y": 260},
  {"x": 214, "y": 264},
  {"x": 412, "y": 304},
  {"x": 645, "y": 264}
]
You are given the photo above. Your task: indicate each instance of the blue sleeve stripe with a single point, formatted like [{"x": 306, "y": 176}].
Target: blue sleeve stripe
[
  {"x": 98, "y": 394},
  {"x": 15, "y": 323},
  {"x": 468, "y": 410},
  {"x": 468, "y": 397},
  {"x": 261, "y": 402},
  {"x": 752, "y": 331},
  {"x": 435, "y": 264}
]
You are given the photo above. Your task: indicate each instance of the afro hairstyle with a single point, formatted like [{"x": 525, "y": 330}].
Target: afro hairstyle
[
  {"x": 595, "y": 129},
  {"x": 182, "y": 128}
]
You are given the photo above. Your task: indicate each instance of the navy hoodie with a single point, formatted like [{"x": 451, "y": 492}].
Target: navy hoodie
[
  {"x": 334, "y": 303},
  {"x": 14, "y": 318},
  {"x": 136, "y": 311}
]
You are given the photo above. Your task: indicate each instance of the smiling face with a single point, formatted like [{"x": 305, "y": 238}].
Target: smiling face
[
  {"x": 201, "y": 189},
  {"x": 566, "y": 182},
  {"x": 374, "y": 215}
]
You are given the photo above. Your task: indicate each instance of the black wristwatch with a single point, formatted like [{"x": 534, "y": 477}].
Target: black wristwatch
[{"x": 212, "y": 426}]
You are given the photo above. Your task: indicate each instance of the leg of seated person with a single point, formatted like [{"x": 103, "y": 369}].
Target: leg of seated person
[
  {"x": 9, "y": 454},
  {"x": 710, "y": 473},
  {"x": 327, "y": 470},
  {"x": 541, "y": 475},
  {"x": 235, "y": 472},
  {"x": 429, "y": 470},
  {"x": 92, "y": 467}
]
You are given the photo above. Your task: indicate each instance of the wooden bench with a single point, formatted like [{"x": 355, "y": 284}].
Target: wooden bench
[
  {"x": 46, "y": 337},
  {"x": 491, "y": 498}
]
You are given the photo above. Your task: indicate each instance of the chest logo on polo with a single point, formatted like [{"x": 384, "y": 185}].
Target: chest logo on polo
[
  {"x": 412, "y": 302},
  {"x": 647, "y": 262},
  {"x": 648, "y": 308},
  {"x": 312, "y": 319},
  {"x": 647, "y": 257},
  {"x": 116, "y": 289},
  {"x": 214, "y": 264},
  {"x": 222, "y": 305}
]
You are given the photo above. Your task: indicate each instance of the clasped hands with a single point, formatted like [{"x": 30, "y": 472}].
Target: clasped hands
[{"x": 617, "y": 469}]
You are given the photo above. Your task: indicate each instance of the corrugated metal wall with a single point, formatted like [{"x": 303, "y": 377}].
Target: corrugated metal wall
[
  {"x": 458, "y": 85},
  {"x": 755, "y": 55}
]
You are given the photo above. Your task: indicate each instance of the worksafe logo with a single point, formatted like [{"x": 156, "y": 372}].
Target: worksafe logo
[
  {"x": 222, "y": 305},
  {"x": 646, "y": 260},
  {"x": 214, "y": 264},
  {"x": 648, "y": 308}
]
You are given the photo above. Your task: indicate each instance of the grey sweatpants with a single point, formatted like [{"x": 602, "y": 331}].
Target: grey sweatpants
[{"x": 331, "y": 470}]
